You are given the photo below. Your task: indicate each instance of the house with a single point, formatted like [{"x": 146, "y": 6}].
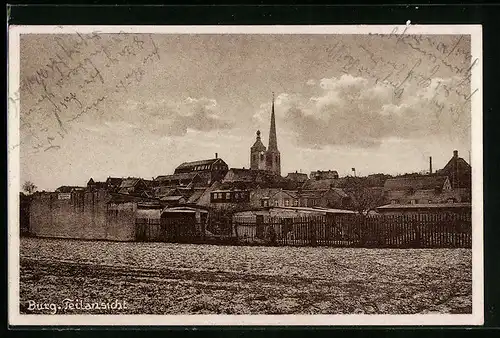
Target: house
[
  {"x": 210, "y": 170},
  {"x": 132, "y": 186},
  {"x": 297, "y": 177},
  {"x": 418, "y": 189},
  {"x": 173, "y": 200},
  {"x": 113, "y": 183},
  {"x": 195, "y": 196},
  {"x": 93, "y": 185},
  {"x": 323, "y": 184},
  {"x": 230, "y": 196},
  {"x": 459, "y": 172},
  {"x": 188, "y": 179},
  {"x": 326, "y": 198},
  {"x": 324, "y": 175},
  {"x": 178, "y": 195},
  {"x": 274, "y": 197},
  {"x": 252, "y": 179}
]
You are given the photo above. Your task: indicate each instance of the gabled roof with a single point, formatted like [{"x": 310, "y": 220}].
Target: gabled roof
[
  {"x": 311, "y": 193},
  {"x": 97, "y": 184},
  {"x": 258, "y": 145},
  {"x": 291, "y": 194},
  {"x": 415, "y": 183},
  {"x": 299, "y": 177},
  {"x": 462, "y": 166},
  {"x": 121, "y": 198},
  {"x": 324, "y": 184},
  {"x": 189, "y": 165},
  {"x": 249, "y": 175},
  {"x": 177, "y": 177},
  {"x": 195, "y": 196},
  {"x": 114, "y": 181},
  {"x": 264, "y": 193},
  {"x": 129, "y": 182}
]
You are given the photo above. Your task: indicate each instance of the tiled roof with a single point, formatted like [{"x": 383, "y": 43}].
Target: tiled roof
[
  {"x": 292, "y": 194},
  {"x": 325, "y": 184},
  {"x": 188, "y": 165},
  {"x": 195, "y": 196},
  {"x": 258, "y": 194},
  {"x": 129, "y": 182},
  {"x": 115, "y": 181},
  {"x": 416, "y": 183},
  {"x": 176, "y": 177},
  {"x": 299, "y": 177}
]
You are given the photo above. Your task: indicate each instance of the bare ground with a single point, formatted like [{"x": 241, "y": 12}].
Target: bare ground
[{"x": 164, "y": 278}]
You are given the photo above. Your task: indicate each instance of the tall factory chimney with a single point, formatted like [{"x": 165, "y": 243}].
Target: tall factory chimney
[{"x": 430, "y": 165}]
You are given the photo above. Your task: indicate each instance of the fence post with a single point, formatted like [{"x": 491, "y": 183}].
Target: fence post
[{"x": 312, "y": 230}]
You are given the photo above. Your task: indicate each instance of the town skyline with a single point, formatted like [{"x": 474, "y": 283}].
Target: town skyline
[{"x": 331, "y": 113}]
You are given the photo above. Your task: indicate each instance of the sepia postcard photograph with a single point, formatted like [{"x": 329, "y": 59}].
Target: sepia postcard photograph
[{"x": 245, "y": 175}]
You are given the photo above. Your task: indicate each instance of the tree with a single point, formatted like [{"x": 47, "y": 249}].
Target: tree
[
  {"x": 29, "y": 187},
  {"x": 363, "y": 197}
]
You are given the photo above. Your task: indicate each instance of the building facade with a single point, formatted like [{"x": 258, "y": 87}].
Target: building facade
[{"x": 266, "y": 159}]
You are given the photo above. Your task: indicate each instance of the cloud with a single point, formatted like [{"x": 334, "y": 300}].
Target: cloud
[
  {"x": 173, "y": 118},
  {"x": 352, "y": 111}
]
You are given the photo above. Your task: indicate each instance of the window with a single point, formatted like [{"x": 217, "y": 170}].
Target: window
[
  {"x": 228, "y": 195},
  {"x": 394, "y": 202},
  {"x": 276, "y": 203},
  {"x": 451, "y": 200},
  {"x": 264, "y": 203},
  {"x": 413, "y": 202},
  {"x": 296, "y": 203},
  {"x": 237, "y": 195},
  {"x": 287, "y": 202}
]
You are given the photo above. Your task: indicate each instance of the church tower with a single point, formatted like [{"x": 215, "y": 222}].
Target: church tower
[
  {"x": 257, "y": 154},
  {"x": 273, "y": 160}
]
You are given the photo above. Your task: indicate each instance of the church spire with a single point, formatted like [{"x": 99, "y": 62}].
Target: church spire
[{"x": 273, "y": 143}]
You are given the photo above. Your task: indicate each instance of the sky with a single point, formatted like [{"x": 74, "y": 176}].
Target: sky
[{"x": 140, "y": 104}]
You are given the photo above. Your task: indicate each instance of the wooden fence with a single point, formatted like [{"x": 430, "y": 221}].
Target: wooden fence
[{"x": 352, "y": 230}]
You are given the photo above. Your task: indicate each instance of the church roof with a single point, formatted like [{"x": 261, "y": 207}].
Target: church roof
[{"x": 258, "y": 145}]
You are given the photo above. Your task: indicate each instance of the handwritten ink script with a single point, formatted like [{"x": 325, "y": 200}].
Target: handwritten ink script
[
  {"x": 78, "y": 76},
  {"x": 439, "y": 68}
]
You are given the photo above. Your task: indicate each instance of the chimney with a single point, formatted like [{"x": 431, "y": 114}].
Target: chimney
[
  {"x": 216, "y": 155},
  {"x": 455, "y": 153},
  {"x": 430, "y": 165}
]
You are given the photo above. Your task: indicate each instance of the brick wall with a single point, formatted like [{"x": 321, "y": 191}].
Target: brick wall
[{"x": 82, "y": 215}]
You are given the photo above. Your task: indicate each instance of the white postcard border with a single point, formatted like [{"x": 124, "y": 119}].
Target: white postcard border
[{"x": 477, "y": 316}]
